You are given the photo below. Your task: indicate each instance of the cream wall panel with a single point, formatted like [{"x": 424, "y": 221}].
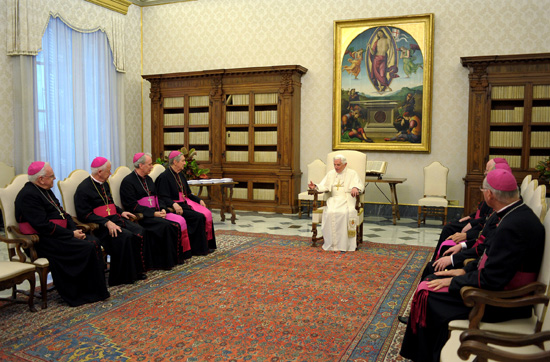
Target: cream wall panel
[
  {"x": 213, "y": 34},
  {"x": 6, "y": 96}
]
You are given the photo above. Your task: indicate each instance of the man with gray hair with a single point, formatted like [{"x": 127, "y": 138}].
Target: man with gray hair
[
  {"x": 511, "y": 259},
  {"x": 76, "y": 260},
  {"x": 122, "y": 239},
  {"x": 169, "y": 239},
  {"x": 173, "y": 190},
  {"x": 340, "y": 217}
]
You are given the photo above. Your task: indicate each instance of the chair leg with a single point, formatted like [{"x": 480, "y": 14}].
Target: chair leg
[
  {"x": 32, "y": 282},
  {"x": 43, "y": 274},
  {"x": 309, "y": 204},
  {"x": 445, "y": 217},
  {"x": 419, "y": 214},
  {"x": 300, "y": 209}
]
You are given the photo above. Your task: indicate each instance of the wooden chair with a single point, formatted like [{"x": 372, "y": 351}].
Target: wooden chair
[
  {"x": 13, "y": 235},
  {"x": 114, "y": 182},
  {"x": 13, "y": 273},
  {"x": 316, "y": 171},
  {"x": 157, "y": 170},
  {"x": 358, "y": 162},
  {"x": 537, "y": 201},
  {"x": 536, "y": 294},
  {"x": 68, "y": 187},
  {"x": 434, "y": 202}
]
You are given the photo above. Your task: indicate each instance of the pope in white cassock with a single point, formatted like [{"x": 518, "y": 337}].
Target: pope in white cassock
[{"x": 340, "y": 217}]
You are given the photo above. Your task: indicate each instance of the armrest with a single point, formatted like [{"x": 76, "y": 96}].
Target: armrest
[
  {"x": 19, "y": 243},
  {"x": 85, "y": 227},
  {"x": 528, "y": 295},
  {"x": 475, "y": 342},
  {"x": 315, "y": 194},
  {"x": 138, "y": 217}
]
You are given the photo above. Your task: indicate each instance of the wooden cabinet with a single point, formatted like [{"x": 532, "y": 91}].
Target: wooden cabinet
[
  {"x": 244, "y": 124},
  {"x": 508, "y": 116}
]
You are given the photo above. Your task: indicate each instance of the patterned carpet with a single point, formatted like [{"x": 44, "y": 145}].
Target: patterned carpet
[{"x": 260, "y": 297}]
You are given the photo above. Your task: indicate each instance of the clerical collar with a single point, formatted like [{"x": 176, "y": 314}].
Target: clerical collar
[
  {"x": 504, "y": 209},
  {"x": 93, "y": 178}
]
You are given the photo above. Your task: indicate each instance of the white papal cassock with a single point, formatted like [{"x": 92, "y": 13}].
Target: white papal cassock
[{"x": 340, "y": 217}]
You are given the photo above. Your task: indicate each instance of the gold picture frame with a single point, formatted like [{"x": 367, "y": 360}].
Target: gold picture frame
[{"x": 382, "y": 98}]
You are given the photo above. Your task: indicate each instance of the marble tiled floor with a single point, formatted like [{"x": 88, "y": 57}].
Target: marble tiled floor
[{"x": 375, "y": 229}]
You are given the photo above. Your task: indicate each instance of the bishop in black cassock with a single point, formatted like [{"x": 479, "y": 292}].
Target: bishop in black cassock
[
  {"x": 168, "y": 241},
  {"x": 122, "y": 239},
  {"x": 173, "y": 190},
  {"x": 512, "y": 258},
  {"x": 76, "y": 259}
]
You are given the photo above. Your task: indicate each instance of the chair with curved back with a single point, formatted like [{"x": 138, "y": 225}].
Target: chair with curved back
[
  {"x": 316, "y": 171},
  {"x": 114, "y": 182},
  {"x": 157, "y": 170},
  {"x": 68, "y": 187},
  {"x": 524, "y": 183},
  {"x": 434, "y": 202},
  {"x": 7, "y": 203},
  {"x": 358, "y": 162},
  {"x": 525, "y": 328},
  {"x": 529, "y": 191}
]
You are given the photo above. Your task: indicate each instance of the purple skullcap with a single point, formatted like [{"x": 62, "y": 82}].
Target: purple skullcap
[
  {"x": 174, "y": 154},
  {"x": 137, "y": 156},
  {"x": 502, "y": 180},
  {"x": 503, "y": 166},
  {"x": 500, "y": 160},
  {"x": 35, "y": 167},
  {"x": 98, "y": 162}
]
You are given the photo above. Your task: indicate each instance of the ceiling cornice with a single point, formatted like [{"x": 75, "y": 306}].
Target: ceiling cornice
[
  {"x": 157, "y": 2},
  {"x": 120, "y": 6}
]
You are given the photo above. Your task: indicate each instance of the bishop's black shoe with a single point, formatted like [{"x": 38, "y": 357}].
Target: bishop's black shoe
[{"x": 404, "y": 320}]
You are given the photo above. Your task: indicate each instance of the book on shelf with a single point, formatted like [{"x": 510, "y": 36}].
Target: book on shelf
[
  {"x": 376, "y": 168},
  {"x": 175, "y": 102}
]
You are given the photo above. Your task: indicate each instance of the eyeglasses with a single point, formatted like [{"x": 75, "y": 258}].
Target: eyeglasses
[
  {"x": 482, "y": 189},
  {"x": 50, "y": 176}
]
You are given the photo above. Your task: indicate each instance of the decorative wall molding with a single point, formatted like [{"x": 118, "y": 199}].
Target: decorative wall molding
[{"x": 120, "y": 6}]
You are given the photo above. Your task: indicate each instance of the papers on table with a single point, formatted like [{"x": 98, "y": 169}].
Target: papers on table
[{"x": 209, "y": 181}]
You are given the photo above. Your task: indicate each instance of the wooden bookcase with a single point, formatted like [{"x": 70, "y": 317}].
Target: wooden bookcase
[
  {"x": 244, "y": 124},
  {"x": 508, "y": 116}
]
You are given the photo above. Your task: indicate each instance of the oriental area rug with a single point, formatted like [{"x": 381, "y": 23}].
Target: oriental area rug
[{"x": 260, "y": 297}]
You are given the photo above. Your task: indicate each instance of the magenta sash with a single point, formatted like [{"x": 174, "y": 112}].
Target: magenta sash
[
  {"x": 479, "y": 240},
  {"x": 185, "y": 243},
  {"x": 181, "y": 197},
  {"x": 207, "y": 213},
  {"x": 105, "y": 210},
  {"x": 519, "y": 280},
  {"x": 27, "y": 229},
  {"x": 448, "y": 242},
  {"x": 419, "y": 304},
  {"x": 145, "y": 201}
]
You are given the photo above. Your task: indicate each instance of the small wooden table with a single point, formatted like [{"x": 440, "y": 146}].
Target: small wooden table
[
  {"x": 394, "y": 202},
  {"x": 227, "y": 201}
]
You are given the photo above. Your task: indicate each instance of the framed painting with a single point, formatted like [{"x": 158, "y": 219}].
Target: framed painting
[{"x": 383, "y": 83}]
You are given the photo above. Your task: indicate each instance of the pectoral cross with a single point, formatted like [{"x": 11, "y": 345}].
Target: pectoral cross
[
  {"x": 150, "y": 202},
  {"x": 108, "y": 211},
  {"x": 338, "y": 185},
  {"x": 62, "y": 215}
]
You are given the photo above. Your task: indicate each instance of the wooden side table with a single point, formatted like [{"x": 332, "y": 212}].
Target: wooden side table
[
  {"x": 227, "y": 199},
  {"x": 393, "y": 192}
]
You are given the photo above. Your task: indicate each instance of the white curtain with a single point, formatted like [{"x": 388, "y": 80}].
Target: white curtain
[{"x": 78, "y": 100}]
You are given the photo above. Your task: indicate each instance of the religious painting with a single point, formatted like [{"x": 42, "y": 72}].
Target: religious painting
[{"x": 383, "y": 83}]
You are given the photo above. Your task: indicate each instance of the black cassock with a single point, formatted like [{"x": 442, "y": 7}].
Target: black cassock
[
  {"x": 164, "y": 235},
  {"x": 77, "y": 265},
  {"x": 168, "y": 185},
  {"x": 515, "y": 246},
  {"x": 126, "y": 249}
]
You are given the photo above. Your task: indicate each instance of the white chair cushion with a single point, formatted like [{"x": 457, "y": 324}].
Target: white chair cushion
[
  {"x": 10, "y": 269},
  {"x": 514, "y": 326},
  {"x": 433, "y": 201}
]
